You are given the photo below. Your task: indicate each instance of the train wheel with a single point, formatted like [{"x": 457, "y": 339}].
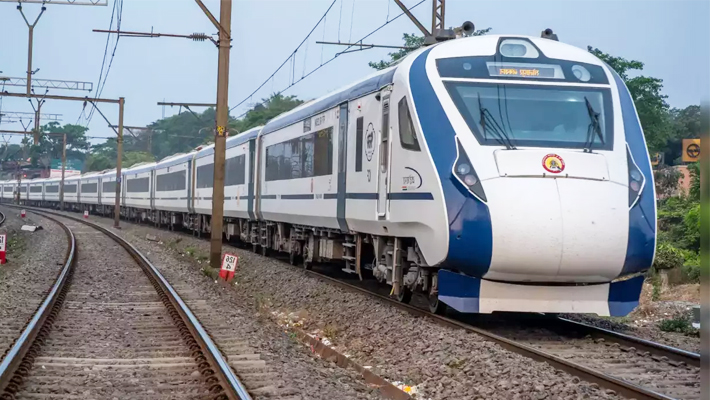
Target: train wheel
[
  {"x": 405, "y": 295},
  {"x": 436, "y": 306}
]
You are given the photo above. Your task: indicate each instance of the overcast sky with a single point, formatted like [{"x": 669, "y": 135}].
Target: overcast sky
[{"x": 671, "y": 37}]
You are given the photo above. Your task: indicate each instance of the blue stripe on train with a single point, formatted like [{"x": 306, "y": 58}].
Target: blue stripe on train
[
  {"x": 470, "y": 232},
  {"x": 642, "y": 217}
]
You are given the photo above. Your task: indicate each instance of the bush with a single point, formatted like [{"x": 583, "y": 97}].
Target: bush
[
  {"x": 668, "y": 257},
  {"x": 680, "y": 324}
]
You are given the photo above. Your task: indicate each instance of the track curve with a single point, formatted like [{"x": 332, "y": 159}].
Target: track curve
[{"x": 165, "y": 337}]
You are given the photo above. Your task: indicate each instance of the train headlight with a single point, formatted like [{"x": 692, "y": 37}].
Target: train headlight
[
  {"x": 636, "y": 179},
  {"x": 463, "y": 169},
  {"x": 470, "y": 180},
  {"x": 465, "y": 174},
  {"x": 581, "y": 73},
  {"x": 517, "y": 48}
]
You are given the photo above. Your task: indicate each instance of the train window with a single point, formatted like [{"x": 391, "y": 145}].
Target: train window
[
  {"x": 235, "y": 171},
  {"x": 108, "y": 187},
  {"x": 535, "y": 115},
  {"x": 23, "y": 189},
  {"x": 51, "y": 189},
  {"x": 137, "y": 185},
  {"x": 407, "y": 135},
  {"x": 323, "y": 164},
  {"x": 303, "y": 157},
  {"x": 171, "y": 181},
  {"x": 358, "y": 144},
  {"x": 89, "y": 187},
  {"x": 205, "y": 176},
  {"x": 35, "y": 189},
  {"x": 70, "y": 188}
]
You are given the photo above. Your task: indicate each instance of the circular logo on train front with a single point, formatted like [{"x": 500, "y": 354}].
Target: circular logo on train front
[{"x": 553, "y": 163}]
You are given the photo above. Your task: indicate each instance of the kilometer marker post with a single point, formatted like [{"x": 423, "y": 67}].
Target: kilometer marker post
[
  {"x": 229, "y": 265},
  {"x": 3, "y": 247}
]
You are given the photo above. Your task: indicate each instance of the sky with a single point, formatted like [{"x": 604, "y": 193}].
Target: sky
[{"x": 672, "y": 39}]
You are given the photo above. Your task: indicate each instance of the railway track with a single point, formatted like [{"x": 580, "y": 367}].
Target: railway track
[
  {"x": 630, "y": 366},
  {"x": 112, "y": 327}
]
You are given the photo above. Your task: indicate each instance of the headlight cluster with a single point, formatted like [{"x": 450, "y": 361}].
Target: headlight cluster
[
  {"x": 466, "y": 175},
  {"x": 636, "y": 179}
]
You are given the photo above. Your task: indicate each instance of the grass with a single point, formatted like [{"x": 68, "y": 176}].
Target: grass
[
  {"x": 679, "y": 324},
  {"x": 331, "y": 331}
]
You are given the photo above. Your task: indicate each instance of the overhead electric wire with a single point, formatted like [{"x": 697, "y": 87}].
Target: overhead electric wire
[
  {"x": 118, "y": 6},
  {"x": 291, "y": 55},
  {"x": 323, "y": 64}
]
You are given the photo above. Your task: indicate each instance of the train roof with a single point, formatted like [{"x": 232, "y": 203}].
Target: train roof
[{"x": 369, "y": 84}]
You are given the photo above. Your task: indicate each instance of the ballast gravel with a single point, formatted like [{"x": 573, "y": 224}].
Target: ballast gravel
[
  {"x": 301, "y": 376},
  {"x": 436, "y": 362},
  {"x": 34, "y": 260}
]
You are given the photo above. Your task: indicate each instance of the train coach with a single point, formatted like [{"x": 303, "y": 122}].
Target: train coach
[{"x": 491, "y": 173}]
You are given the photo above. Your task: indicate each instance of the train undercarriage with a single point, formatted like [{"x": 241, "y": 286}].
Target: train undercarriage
[{"x": 394, "y": 261}]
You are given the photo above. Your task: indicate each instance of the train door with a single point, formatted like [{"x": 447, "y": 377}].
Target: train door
[
  {"x": 382, "y": 181},
  {"x": 342, "y": 165},
  {"x": 152, "y": 190}
]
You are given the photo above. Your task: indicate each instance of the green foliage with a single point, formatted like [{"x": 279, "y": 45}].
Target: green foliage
[
  {"x": 679, "y": 222},
  {"x": 270, "y": 108},
  {"x": 650, "y": 103},
  {"x": 694, "y": 191},
  {"x": 667, "y": 181},
  {"x": 680, "y": 324},
  {"x": 685, "y": 123},
  {"x": 134, "y": 157},
  {"x": 413, "y": 42},
  {"x": 667, "y": 257}
]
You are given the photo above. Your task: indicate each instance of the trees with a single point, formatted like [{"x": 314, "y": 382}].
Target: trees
[
  {"x": 261, "y": 114},
  {"x": 414, "y": 42},
  {"x": 650, "y": 103}
]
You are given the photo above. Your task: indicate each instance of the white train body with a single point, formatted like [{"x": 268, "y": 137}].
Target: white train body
[{"x": 493, "y": 173}]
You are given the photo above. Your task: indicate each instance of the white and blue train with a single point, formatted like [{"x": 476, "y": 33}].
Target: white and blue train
[{"x": 491, "y": 173}]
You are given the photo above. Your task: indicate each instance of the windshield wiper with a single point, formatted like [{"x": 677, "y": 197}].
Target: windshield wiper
[
  {"x": 488, "y": 119},
  {"x": 593, "y": 128}
]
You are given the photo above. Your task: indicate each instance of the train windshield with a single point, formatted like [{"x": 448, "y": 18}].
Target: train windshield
[{"x": 535, "y": 115}]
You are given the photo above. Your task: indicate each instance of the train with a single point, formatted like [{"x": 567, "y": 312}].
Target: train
[{"x": 491, "y": 173}]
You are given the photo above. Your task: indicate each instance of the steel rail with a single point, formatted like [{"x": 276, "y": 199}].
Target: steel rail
[
  {"x": 660, "y": 349},
  {"x": 626, "y": 389},
  {"x": 233, "y": 387},
  {"x": 17, "y": 352},
  {"x": 622, "y": 387}
]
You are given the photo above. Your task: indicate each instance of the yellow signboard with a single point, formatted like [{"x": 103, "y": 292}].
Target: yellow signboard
[
  {"x": 656, "y": 159},
  {"x": 691, "y": 150}
]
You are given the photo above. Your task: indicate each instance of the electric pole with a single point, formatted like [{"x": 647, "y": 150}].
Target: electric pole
[
  {"x": 64, "y": 167},
  {"x": 220, "y": 140},
  {"x": 222, "y": 118}
]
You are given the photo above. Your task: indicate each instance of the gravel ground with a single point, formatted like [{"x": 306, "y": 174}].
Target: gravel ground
[
  {"x": 34, "y": 260},
  {"x": 438, "y": 362},
  {"x": 302, "y": 376},
  {"x": 645, "y": 331}
]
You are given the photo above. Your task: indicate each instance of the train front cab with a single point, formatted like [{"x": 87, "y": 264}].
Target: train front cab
[{"x": 547, "y": 181}]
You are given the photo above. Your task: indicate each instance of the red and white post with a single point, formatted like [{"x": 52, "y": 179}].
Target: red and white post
[
  {"x": 86, "y": 214},
  {"x": 229, "y": 265},
  {"x": 3, "y": 247},
  {"x": 22, "y": 213}
]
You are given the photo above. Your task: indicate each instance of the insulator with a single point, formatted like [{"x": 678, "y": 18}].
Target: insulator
[{"x": 199, "y": 37}]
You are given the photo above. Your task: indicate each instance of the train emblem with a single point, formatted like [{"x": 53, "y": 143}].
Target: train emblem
[{"x": 553, "y": 163}]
